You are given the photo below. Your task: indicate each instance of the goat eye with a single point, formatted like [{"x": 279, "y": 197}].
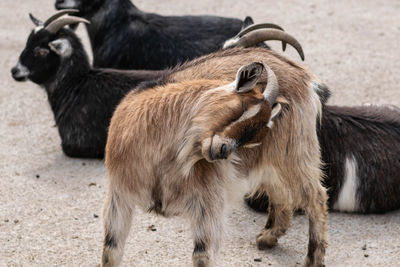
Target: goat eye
[{"x": 40, "y": 52}]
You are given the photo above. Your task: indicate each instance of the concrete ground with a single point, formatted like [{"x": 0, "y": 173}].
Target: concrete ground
[{"x": 50, "y": 203}]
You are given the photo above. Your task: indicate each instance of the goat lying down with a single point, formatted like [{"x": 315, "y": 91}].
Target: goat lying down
[
  {"x": 82, "y": 98},
  {"x": 179, "y": 147},
  {"x": 124, "y": 37},
  {"x": 360, "y": 148}
]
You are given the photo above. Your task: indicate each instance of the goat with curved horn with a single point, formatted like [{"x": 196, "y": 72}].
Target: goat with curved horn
[
  {"x": 57, "y": 24},
  {"x": 254, "y": 37},
  {"x": 261, "y": 26}
]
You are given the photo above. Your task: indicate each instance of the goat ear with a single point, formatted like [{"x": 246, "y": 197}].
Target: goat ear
[
  {"x": 247, "y": 22},
  {"x": 247, "y": 77},
  {"x": 35, "y": 21},
  {"x": 276, "y": 109},
  {"x": 61, "y": 47}
]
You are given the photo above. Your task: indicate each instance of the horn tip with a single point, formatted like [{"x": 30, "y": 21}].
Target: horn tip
[{"x": 283, "y": 46}]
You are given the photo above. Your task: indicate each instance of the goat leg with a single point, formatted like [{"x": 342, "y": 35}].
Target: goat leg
[
  {"x": 207, "y": 230},
  {"x": 279, "y": 217},
  {"x": 117, "y": 216},
  {"x": 317, "y": 213}
]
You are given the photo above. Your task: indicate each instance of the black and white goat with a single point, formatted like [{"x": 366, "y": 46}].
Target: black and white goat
[
  {"x": 360, "y": 148},
  {"x": 124, "y": 37},
  {"x": 82, "y": 98}
]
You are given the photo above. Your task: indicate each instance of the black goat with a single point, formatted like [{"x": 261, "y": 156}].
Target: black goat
[
  {"x": 361, "y": 151},
  {"x": 82, "y": 98},
  {"x": 124, "y": 37}
]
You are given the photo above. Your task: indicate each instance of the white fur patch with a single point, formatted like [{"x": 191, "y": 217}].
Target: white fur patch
[
  {"x": 38, "y": 28},
  {"x": 347, "y": 200},
  {"x": 230, "y": 42},
  {"x": 23, "y": 71}
]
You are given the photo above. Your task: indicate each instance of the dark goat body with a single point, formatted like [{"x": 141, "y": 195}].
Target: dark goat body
[
  {"x": 82, "y": 98},
  {"x": 365, "y": 141},
  {"x": 124, "y": 37}
]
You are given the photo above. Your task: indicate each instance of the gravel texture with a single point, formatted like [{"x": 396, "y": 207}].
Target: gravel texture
[{"x": 50, "y": 203}]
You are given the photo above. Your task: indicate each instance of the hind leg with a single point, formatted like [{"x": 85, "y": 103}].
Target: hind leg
[
  {"x": 279, "y": 217},
  {"x": 117, "y": 216},
  {"x": 317, "y": 213}
]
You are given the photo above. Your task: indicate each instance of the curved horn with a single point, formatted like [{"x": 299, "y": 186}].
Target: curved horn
[
  {"x": 59, "y": 14},
  {"x": 261, "y": 26},
  {"x": 56, "y": 25},
  {"x": 261, "y": 35},
  {"x": 35, "y": 21},
  {"x": 271, "y": 91}
]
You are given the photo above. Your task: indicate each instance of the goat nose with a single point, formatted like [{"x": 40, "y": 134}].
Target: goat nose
[{"x": 14, "y": 71}]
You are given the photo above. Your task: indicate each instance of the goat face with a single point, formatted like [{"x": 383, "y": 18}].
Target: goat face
[
  {"x": 248, "y": 123},
  {"x": 84, "y": 6},
  {"x": 39, "y": 60},
  {"x": 47, "y": 45}
]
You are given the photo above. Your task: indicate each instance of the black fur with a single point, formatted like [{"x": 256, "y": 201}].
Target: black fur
[
  {"x": 199, "y": 247},
  {"x": 372, "y": 135},
  {"x": 82, "y": 98},
  {"x": 110, "y": 241},
  {"x": 323, "y": 93},
  {"x": 124, "y": 37}
]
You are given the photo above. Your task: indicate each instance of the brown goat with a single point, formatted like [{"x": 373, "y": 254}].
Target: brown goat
[{"x": 166, "y": 146}]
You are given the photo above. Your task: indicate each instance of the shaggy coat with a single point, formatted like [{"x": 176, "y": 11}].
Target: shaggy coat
[{"x": 165, "y": 142}]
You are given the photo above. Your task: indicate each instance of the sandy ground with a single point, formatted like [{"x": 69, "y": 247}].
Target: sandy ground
[{"x": 50, "y": 203}]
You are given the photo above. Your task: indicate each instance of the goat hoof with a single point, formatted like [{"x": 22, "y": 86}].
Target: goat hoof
[
  {"x": 266, "y": 240},
  {"x": 309, "y": 263},
  {"x": 201, "y": 260}
]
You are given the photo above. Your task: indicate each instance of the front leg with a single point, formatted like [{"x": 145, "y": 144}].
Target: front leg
[{"x": 207, "y": 224}]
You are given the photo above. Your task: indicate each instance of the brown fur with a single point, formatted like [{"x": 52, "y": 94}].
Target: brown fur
[{"x": 163, "y": 144}]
